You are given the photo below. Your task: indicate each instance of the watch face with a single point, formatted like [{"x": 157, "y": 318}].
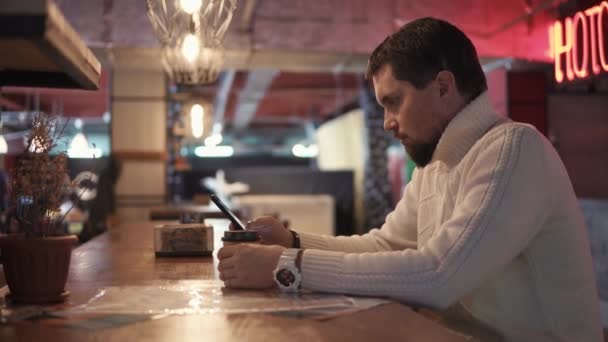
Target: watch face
[{"x": 285, "y": 277}]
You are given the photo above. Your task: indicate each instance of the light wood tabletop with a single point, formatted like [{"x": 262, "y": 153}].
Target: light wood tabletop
[{"x": 125, "y": 256}]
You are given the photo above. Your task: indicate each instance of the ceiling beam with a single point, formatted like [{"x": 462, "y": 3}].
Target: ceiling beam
[
  {"x": 221, "y": 99},
  {"x": 243, "y": 58},
  {"x": 252, "y": 93}
]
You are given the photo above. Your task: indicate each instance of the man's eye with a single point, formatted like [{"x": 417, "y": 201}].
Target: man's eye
[{"x": 393, "y": 103}]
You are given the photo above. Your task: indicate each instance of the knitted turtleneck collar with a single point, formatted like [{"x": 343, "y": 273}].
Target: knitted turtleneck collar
[{"x": 468, "y": 126}]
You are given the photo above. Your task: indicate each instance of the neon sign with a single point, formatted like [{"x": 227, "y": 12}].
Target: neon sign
[{"x": 577, "y": 44}]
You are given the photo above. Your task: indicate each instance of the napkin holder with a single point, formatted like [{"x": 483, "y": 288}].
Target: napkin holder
[{"x": 185, "y": 240}]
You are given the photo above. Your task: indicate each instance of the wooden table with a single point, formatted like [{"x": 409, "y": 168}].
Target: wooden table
[
  {"x": 125, "y": 256},
  {"x": 174, "y": 211}
]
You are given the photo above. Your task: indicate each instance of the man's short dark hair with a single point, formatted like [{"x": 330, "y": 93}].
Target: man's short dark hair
[{"x": 424, "y": 47}]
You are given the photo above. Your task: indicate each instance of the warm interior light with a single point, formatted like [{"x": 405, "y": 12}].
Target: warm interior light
[
  {"x": 3, "y": 145},
  {"x": 36, "y": 146},
  {"x": 197, "y": 112},
  {"x": 190, "y": 47},
  {"x": 213, "y": 140},
  {"x": 214, "y": 151},
  {"x": 79, "y": 148},
  {"x": 302, "y": 151},
  {"x": 190, "y": 6}
]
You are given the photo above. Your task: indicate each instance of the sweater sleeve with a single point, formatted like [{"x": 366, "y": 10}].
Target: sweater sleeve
[
  {"x": 397, "y": 233},
  {"x": 503, "y": 207}
]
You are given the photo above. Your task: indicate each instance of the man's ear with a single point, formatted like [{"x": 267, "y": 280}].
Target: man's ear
[{"x": 447, "y": 82}]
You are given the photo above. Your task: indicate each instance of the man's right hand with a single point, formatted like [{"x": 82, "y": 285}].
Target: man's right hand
[{"x": 271, "y": 231}]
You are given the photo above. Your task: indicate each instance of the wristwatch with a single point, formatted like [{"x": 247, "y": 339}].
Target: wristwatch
[
  {"x": 287, "y": 275},
  {"x": 296, "y": 239}
]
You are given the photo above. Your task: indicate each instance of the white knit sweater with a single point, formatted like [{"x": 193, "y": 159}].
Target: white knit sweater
[{"x": 491, "y": 224}]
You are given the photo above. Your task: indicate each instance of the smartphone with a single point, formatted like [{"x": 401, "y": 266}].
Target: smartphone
[{"x": 229, "y": 214}]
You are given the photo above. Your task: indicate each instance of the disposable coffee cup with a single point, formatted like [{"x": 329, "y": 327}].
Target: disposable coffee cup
[{"x": 233, "y": 237}]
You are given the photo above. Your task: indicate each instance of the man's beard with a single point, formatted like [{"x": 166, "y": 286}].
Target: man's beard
[{"x": 422, "y": 153}]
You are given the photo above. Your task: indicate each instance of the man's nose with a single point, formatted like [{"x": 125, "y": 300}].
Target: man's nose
[{"x": 389, "y": 123}]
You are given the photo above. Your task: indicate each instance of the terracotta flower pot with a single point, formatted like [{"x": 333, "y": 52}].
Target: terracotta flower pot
[{"x": 36, "y": 269}]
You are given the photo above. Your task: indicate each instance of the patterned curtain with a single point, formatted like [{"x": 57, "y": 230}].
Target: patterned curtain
[{"x": 377, "y": 195}]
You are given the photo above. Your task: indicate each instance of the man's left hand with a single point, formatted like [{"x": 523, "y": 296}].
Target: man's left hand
[{"x": 248, "y": 265}]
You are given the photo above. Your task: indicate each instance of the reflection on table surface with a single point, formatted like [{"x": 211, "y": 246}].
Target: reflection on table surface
[{"x": 124, "y": 257}]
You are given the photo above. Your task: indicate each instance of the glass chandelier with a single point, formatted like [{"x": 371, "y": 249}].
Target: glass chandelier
[
  {"x": 189, "y": 62},
  {"x": 191, "y": 34}
]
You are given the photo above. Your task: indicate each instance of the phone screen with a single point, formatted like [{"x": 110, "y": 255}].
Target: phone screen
[{"x": 235, "y": 220}]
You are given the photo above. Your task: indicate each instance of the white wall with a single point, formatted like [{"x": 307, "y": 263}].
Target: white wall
[{"x": 342, "y": 146}]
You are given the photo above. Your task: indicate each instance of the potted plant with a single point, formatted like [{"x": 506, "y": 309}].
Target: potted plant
[{"x": 36, "y": 255}]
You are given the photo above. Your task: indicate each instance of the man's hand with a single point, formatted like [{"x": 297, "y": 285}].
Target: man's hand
[
  {"x": 271, "y": 231},
  {"x": 248, "y": 265}
]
